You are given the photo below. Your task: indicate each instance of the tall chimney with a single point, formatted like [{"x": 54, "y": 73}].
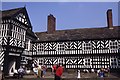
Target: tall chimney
[
  {"x": 51, "y": 25},
  {"x": 109, "y": 19}
]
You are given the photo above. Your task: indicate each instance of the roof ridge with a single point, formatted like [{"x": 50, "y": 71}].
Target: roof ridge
[
  {"x": 13, "y": 9},
  {"x": 79, "y": 29},
  {"x": 10, "y": 12}
]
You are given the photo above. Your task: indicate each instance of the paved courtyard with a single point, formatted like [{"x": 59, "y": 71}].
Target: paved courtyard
[
  {"x": 70, "y": 76},
  {"x": 0, "y": 75},
  {"x": 73, "y": 75}
]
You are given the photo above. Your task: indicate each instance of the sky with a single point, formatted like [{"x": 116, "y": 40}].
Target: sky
[{"x": 69, "y": 15}]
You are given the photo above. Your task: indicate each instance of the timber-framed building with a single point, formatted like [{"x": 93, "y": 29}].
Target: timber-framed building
[
  {"x": 85, "y": 48},
  {"x": 15, "y": 37}
]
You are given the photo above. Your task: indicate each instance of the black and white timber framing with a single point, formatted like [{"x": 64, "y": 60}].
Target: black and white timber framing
[
  {"x": 90, "y": 48},
  {"x": 75, "y": 49},
  {"x": 15, "y": 31},
  {"x": 79, "y": 54}
]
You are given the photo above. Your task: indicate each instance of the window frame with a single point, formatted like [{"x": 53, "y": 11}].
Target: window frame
[
  {"x": 86, "y": 46},
  {"x": 87, "y": 62},
  {"x": 60, "y": 47},
  {"x": 113, "y": 62},
  {"x": 113, "y": 45},
  {"x": 40, "y": 47}
]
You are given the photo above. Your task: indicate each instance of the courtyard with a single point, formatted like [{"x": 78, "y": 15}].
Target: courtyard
[{"x": 69, "y": 75}]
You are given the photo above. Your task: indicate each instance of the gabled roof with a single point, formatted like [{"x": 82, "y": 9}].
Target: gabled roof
[
  {"x": 80, "y": 34},
  {"x": 11, "y": 12}
]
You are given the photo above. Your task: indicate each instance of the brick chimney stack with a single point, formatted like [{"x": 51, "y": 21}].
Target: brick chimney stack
[
  {"x": 51, "y": 24},
  {"x": 109, "y": 19}
]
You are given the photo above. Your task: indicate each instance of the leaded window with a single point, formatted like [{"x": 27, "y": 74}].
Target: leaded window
[
  {"x": 3, "y": 30},
  {"x": 40, "y": 47},
  {"x": 113, "y": 45},
  {"x": 113, "y": 62},
  {"x": 87, "y": 46},
  {"x": 28, "y": 45},
  {"x": 60, "y": 47},
  {"x": 18, "y": 33},
  {"x": 87, "y": 62},
  {"x": 21, "y": 17}
]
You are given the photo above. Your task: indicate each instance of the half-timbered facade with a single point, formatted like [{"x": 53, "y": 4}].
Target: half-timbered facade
[
  {"x": 76, "y": 48},
  {"x": 15, "y": 30},
  {"x": 79, "y": 48}
]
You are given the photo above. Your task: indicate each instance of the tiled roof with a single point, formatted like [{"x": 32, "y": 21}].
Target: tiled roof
[
  {"x": 31, "y": 33},
  {"x": 11, "y": 12},
  {"x": 80, "y": 34}
]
